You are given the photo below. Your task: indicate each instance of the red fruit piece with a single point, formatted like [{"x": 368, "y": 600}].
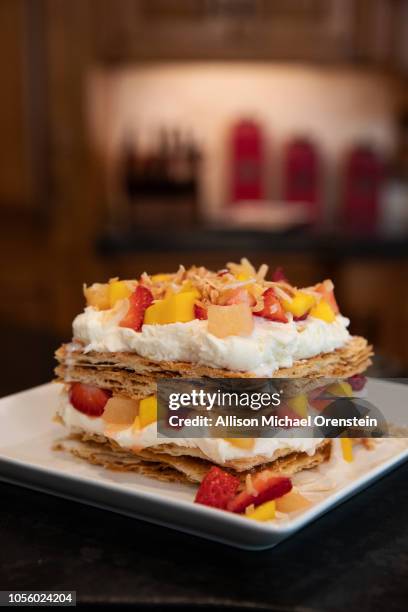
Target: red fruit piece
[
  {"x": 357, "y": 382},
  {"x": 302, "y": 318},
  {"x": 200, "y": 312},
  {"x": 88, "y": 399},
  {"x": 264, "y": 487},
  {"x": 279, "y": 276},
  {"x": 140, "y": 299},
  {"x": 217, "y": 488},
  {"x": 273, "y": 309}
]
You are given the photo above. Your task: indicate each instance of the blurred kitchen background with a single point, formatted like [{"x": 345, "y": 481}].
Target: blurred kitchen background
[{"x": 140, "y": 134}]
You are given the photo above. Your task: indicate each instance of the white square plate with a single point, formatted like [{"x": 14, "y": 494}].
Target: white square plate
[{"x": 27, "y": 435}]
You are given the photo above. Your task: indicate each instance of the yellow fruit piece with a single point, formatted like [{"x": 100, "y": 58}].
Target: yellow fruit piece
[
  {"x": 264, "y": 512},
  {"x": 97, "y": 295},
  {"x": 299, "y": 404},
  {"x": 340, "y": 388},
  {"x": 120, "y": 411},
  {"x": 347, "y": 449},
  {"x": 246, "y": 443},
  {"x": 177, "y": 308},
  {"x": 147, "y": 411},
  {"x": 292, "y": 502},
  {"x": 188, "y": 287},
  {"x": 300, "y": 304},
  {"x": 323, "y": 311},
  {"x": 161, "y": 278},
  {"x": 118, "y": 290},
  {"x": 233, "y": 320},
  {"x": 242, "y": 276}
]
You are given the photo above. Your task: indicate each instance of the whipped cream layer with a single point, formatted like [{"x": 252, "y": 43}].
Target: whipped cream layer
[
  {"x": 217, "y": 450},
  {"x": 270, "y": 346}
]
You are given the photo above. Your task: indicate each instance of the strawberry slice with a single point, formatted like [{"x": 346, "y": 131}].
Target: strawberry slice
[
  {"x": 217, "y": 488},
  {"x": 357, "y": 382},
  {"x": 264, "y": 487},
  {"x": 88, "y": 399},
  {"x": 200, "y": 312},
  {"x": 273, "y": 309},
  {"x": 279, "y": 275},
  {"x": 140, "y": 299}
]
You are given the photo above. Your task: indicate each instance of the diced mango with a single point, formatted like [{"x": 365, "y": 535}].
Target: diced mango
[
  {"x": 97, "y": 295},
  {"x": 188, "y": 287},
  {"x": 242, "y": 276},
  {"x": 148, "y": 410},
  {"x": 161, "y": 278},
  {"x": 178, "y": 308},
  {"x": 118, "y": 290},
  {"x": 347, "y": 449},
  {"x": 323, "y": 311},
  {"x": 341, "y": 388},
  {"x": 299, "y": 404},
  {"x": 292, "y": 502},
  {"x": 120, "y": 410},
  {"x": 300, "y": 304},
  {"x": 264, "y": 512},
  {"x": 245, "y": 443},
  {"x": 233, "y": 320}
]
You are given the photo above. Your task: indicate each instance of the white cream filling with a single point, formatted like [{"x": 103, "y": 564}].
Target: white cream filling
[
  {"x": 270, "y": 346},
  {"x": 216, "y": 449}
]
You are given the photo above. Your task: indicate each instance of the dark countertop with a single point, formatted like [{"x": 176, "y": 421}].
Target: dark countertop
[
  {"x": 354, "y": 558},
  {"x": 328, "y": 245}
]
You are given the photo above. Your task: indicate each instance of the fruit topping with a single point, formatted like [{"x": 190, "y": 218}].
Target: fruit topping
[
  {"x": 176, "y": 308},
  {"x": 120, "y": 410},
  {"x": 139, "y": 301},
  {"x": 200, "y": 312},
  {"x": 234, "y": 320},
  {"x": 88, "y": 399},
  {"x": 217, "y": 488},
  {"x": 264, "y": 512},
  {"x": 118, "y": 290},
  {"x": 262, "y": 487},
  {"x": 97, "y": 295},
  {"x": 239, "y": 295},
  {"x": 292, "y": 502},
  {"x": 326, "y": 288},
  {"x": 272, "y": 308},
  {"x": 278, "y": 276},
  {"x": 245, "y": 443},
  {"x": 357, "y": 382},
  {"x": 341, "y": 388},
  {"x": 323, "y": 311},
  {"x": 300, "y": 304},
  {"x": 147, "y": 410},
  {"x": 347, "y": 449}
]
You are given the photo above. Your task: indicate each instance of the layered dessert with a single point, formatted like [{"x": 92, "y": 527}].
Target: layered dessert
[{"x": 238, "y": 322}]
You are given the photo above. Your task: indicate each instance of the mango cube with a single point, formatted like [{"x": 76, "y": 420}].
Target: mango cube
[
  {"x": 264, "y": 512},
  {"x": 147, "y": 411},
  {"x": 299, "y": 404},
  {"x": 118, "y": 290},
  {"x": 347, "y": 449},
  {"x": 97, "y": 295},
  {"x": 323, "y": 311},
  {"x": 177, "y": 308},
  {"x": 233, "y": 320},
  {"x": 300, "y": 304},
  {"x": 340, "y": 388},
  {"x": 161, "y": 278},
  {"x": 246, "y": 443},
  {"x": 292, "y": 502}
]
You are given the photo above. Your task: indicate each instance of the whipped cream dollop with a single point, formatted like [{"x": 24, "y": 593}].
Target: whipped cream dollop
[
  {"x": 270, "y": 346},
  {"x": 217, "y": 450}
]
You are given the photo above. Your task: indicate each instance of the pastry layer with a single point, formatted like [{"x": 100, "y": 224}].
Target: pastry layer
[
  {"x": 135, "y": 376},
  {"x": 172, "y": 467}
]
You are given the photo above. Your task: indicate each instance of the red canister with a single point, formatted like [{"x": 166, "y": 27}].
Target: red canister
[
  {"x": 301, "y": 175},
  {"x": 247, "y": 162}
]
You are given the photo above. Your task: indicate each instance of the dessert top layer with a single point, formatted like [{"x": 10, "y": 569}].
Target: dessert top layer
[{"x": 238, "y": 318}]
